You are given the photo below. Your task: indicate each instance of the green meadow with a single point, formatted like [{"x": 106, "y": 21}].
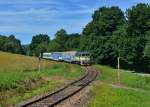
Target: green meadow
[{"x": 132, "y": 91}]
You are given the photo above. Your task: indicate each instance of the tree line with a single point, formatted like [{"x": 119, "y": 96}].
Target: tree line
[
  {"x": 112, "y": 33},
  {"x": 11, "y": 44}
]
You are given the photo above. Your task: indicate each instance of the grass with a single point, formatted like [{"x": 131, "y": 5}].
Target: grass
[
  {"x": 20, "y": 79},
  {"x": 133, "y": 91},
  {"x": 107, "y": 96},
  {"x": 127, "y": 78}
]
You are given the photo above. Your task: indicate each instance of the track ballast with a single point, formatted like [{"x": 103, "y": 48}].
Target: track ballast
[{"x": 71, "y": 89}]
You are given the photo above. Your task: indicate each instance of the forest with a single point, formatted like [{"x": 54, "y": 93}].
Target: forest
[{"x": 110, "y": 34}]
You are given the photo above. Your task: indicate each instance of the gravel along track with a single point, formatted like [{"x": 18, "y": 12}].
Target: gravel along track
[{"x": 64, "y": 93}]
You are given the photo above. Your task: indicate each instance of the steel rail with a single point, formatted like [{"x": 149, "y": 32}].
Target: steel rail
[{"x": 69, "y": 90}]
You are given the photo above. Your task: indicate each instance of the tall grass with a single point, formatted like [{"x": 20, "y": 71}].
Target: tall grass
[
  {"x": 12, "y": 80},
  {"x": 15, "y": 62},
  {"x": 20, "y": 78}
]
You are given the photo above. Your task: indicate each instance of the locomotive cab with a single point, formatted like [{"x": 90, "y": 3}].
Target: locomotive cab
[{"x": 84, "y": 58}]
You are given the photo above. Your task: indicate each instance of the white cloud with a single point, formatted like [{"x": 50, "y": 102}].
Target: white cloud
[
  {"x": 32, "y": 11},
  {"x": 29, "y": 2}
]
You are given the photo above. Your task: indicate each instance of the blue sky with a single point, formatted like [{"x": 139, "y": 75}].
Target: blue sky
[{"x": 25, "y": 18}]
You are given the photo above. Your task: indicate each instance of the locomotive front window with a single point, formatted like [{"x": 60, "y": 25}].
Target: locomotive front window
[{"x": 86, "y": 54}]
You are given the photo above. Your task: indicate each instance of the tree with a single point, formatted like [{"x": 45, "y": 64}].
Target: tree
[
  {"x": 138, "y": 19},
  {"x": 73, "y": 42},
  {"x": 147, "y": 47},
  {"x": 130, "y": 50},
  {"x": 99, "y": 48},
  {"x": 64, "y": 41},
  {"x": 10, "y": 44},
  {"x": 2, "y": 41},
  {"x": 26, "y": 50},
  {"x": 105, "y": 21},
  {"x": 97, "y": 34},
  {"x": 38, "y": 42},
  {"x": 53, "y": 46},
  {"x": 61, "y": 37}
]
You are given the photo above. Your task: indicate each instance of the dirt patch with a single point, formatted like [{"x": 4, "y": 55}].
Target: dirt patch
[
  {"x": 34, "y": 83},
  {"x": 122, "y": 86}
]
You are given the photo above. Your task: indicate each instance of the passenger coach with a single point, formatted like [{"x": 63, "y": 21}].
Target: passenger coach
[{"x": 82, "y": 58}]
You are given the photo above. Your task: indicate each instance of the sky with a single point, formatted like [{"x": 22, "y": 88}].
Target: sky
[{"x": 26, "y": 18}]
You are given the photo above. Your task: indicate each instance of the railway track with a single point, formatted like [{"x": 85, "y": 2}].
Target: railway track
[{"x": 71, "y": 89}]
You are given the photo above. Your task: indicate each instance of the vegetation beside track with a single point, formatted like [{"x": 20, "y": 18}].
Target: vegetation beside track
[
  {"x": 133, "y": 90},
  {"x": 21, "y": 80}
]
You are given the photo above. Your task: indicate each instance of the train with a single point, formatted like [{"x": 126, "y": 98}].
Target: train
[{"x": 74, "y": 57}]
